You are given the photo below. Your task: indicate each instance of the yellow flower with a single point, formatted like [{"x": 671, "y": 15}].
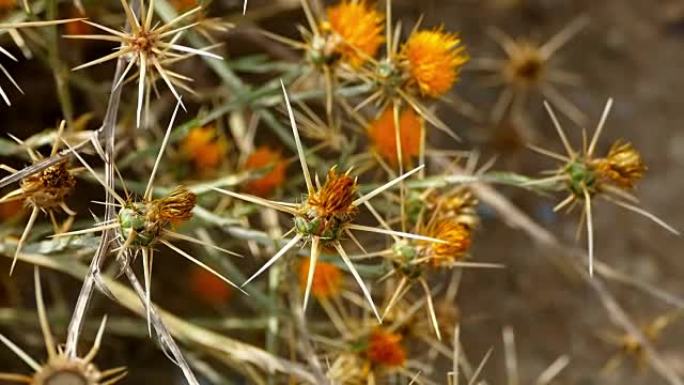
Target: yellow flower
[
  {"x": 458, "y": 237},
  {"x": 381, "y": 133},
  {"x": 204, "y": 147},
  {"x": 622, "y": 167},
  {"x": 434, "y": 59},
  {"x": 359, "y": 26}
]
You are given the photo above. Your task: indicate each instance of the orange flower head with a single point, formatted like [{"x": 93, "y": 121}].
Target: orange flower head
[
  {"x": 77, "y": 27},
  {"x": 205, "y": 148},
  {"x": 359, "y": 27},
  {"x": 264, "y": 157},
  {"x": 434, "y": 59},
  {"x": 11, "y": 209},
  {"x": 6, "y": 5},
  {"x": 327, "y": 280},
  {"x": 335, "y": 198},
  {"x": 622, "y": 166},
  {"x": 208, "y": 287},
  {"x": 381, "y": 133},
  {"x": 458, "y": 237},
  {"x": 385, "y": 348},
  {"x": 184, "y": 5}
]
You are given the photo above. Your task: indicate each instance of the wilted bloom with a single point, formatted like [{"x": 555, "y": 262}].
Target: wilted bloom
[
  {"x": 382, "y": 135},
  {"x": 458, "y": 237},
  {"x": 264, "y": 157},
  {"x": 209, "y": 288},
  {"x": 359, "y": 27},
  {"x": 327, "y": 280},
  {"x": 385, "y": 348},
  {"x": 205, "y": 147},
  {"x": 184, "y": 5},
  {"x": 47, "y": 189},
  {"x": 434, "y": 59},
  {"x": 622, "y": 166}
]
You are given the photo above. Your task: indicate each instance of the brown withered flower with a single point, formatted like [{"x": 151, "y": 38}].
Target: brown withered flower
[
  {"x": 47, "y": 189},
  {"x": 336, "y": 197},
  {"x": 60, "y": 368},
  {"x": 173, "y": 208}
]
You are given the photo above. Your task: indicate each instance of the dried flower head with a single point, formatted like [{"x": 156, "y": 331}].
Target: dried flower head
[
  {"x": 208, "y": 288},
  {"x": 434, "y": 59},
  {"x": 264, "y": 157},
  {"x": 152, "y": 47},
  {"x": 382, "y": 135},
  {"x": 327, "y": 280},
  {"x": 528, "y": 68},
  {"x": 44, "y": 191},
  {"x": 385, "y": 349},
  {"x": 205, "y": 148},
  {"x": 622, "y": 167},
  {"x": 48, "y": 189},
  {"x": 359, "y": 28},
  {"x": 458, "y": 238},
  {"x": 146, "y": 220},
  {"x": 61, "y": 368}
]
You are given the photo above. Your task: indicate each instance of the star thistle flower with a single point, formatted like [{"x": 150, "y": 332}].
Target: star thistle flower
[
  {"x": 150, "y": 47},
  {"x": 13, "y": 30},
  {"x": 359, "y": 29},
  {"x": 433, "y": 59},
  {"x": 205, "y": 148},
  {"x": 528, "y": 68},
  {"x": 385, "y": 349},
  {"x": 44, "y": 191},
  {"x": 264, "y": 157},
  {"x": 208, "y": 288},
  {"x": 327, "y": 280},
  {"x": 585, "y": 176},
  {"x": 381, "y": 133},
  {"x": 60, "y": 368},
  {"x": 325, "y": 216},
  {"x": 142, "y": 224}
]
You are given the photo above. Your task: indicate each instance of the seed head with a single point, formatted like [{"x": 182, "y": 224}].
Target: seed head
[
  {"x": 622, "y": 166},
  {"x": 385, "y": 348},
  {"x": 434, "y": 59},
  {"x": 359, "y": 27},
  {"x": 327, "y": 281},
  {"x": 381, "y": 133},
  {"x": 525, "y": 67},
  {"x": 264, "y": 157},
  {"x": 48, "y": 188},
  {"x": 61, "y": 370}
]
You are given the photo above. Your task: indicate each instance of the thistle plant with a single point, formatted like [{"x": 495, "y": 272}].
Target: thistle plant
[
  {"x": 59, "y": 367},
  {"x": 332, "y": 150}
]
